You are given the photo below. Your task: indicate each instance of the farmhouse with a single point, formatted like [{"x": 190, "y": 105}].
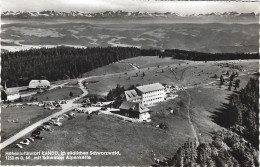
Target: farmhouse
[
  {"x": 146, "y": 94},
  {"x": 135, "y": 110},
  {"x": 36, "y": 84}
]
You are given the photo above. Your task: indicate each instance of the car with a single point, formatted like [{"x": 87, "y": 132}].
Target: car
[
  {"x": 46, "y": 127},
  {"x": 18, "y": 146},
  {"x": 51, "y": 108},
  {"x": 25, "y": 142},
  {"x": 50, "y": 123},
  {"x": 36, "y": 133},
  {"x": 60, "y": 118},
  {"x": 41, "y": 105},
  {"x": 38, "y": 137},
  {"x": 40, "y": 128},
  {"x": 57, "y": 123},
  {"x": 4, "y": 106},
  {"x": 71, "y": 113},
  {"x": 35, "y": 103},
  {"x": 30, "y": 138},
  {"x": 66, "y": 116}
]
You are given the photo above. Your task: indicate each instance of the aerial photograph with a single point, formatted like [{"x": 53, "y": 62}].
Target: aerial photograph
[{"x": 129, "y": 83}]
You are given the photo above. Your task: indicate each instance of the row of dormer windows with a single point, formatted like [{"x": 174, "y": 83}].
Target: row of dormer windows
[{"x": 154, "y": 91}]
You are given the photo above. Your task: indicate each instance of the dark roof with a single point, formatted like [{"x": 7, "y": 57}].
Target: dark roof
[
  {"x": 150, "y": 87},
  {"x": 131, "y": 95},
  {"x": 126, "y": 105}
]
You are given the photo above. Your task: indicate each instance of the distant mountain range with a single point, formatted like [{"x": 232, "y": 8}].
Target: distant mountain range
[{"x": 112, "y": 14}]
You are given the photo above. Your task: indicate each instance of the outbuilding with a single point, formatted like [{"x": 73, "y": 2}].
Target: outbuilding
[
  {"x": 9, "y": 95},
  {"x": 37, "y": 84}
]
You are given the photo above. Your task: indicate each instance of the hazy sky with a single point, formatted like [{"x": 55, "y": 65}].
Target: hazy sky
[{"x": 187, "y": 7}]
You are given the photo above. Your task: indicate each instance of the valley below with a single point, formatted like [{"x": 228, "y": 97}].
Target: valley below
[{"x": 227, "y": 37}]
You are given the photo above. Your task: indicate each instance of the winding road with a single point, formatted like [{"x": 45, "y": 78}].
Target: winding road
[{"x": 65, "y": 108}]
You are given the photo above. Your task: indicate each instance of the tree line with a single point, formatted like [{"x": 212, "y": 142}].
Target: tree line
[
  {"x": 200, "y": 56},
  {"x": 53, "y": 64},
  {"x": 244, "y": 112}
]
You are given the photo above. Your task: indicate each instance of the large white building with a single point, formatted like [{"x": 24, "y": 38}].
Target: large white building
[
  {"x": 146, "y": 94},
  {"x": 36, "y": 84}
]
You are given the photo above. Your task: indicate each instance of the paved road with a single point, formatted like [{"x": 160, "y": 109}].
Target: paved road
[
  {"x": 58, "y": 85},
  {"x": 65, "y": 108},
  {"x": 33, "y": 126}
]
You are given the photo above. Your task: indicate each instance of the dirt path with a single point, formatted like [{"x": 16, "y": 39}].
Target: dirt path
[
  {"x": 190, "y": 121},
  {"x": 182, "y": 73},
  {"x": 188, "y": 115},
  {"x": 135, "y": 67}
]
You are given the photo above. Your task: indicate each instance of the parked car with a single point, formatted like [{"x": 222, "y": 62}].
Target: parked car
[
  {"x": 38, "y": 137},
  {"x": 40, "y": 104},
  {"x": 71, "y": 114},
  {"x": 66, "y": 116},
  {"x": 60, "y": 118},
  {"x": 25, "y": 142},
  {"x": 36, "y": 133},
  {"x": 47, "y": 127},
  {"x": 18, "y": 146},
  {"x": 30, "y": 138},
  {"x": 48, "y": 123},
  {"x": 57, "y": 123},
  {"x": 51, "y": 108}
]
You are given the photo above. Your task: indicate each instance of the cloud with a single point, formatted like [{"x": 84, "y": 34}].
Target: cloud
[{"x": 185, "y": 7}]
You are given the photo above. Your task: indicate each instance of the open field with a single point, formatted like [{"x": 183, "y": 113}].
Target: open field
[
  {"x": 57, "y": 94},
  {"x": 152, "y": 61},
  {"x": 137, "y": 142},
  {"x": 183, "y": 73},
  {"x": 109, "y": 69},
  {"x": 22, "y": 117}
]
